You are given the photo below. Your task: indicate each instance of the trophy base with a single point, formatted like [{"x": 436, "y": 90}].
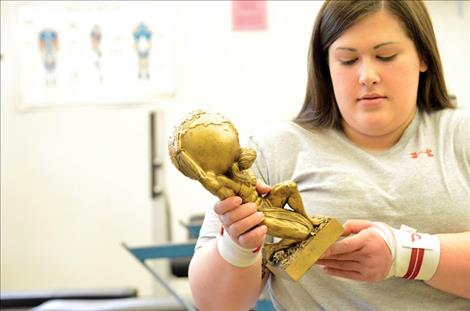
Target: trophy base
[{"x": 294, "y": 261}]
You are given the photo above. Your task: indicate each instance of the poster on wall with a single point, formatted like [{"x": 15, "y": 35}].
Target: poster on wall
[
  {"x": 249, "y": 15},
  {"x": 76, "y": 53}
]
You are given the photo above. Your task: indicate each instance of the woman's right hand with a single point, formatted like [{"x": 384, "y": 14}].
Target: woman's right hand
[
  {"x": 242, "y": 222},
  {"x": 239, "y": 285}
]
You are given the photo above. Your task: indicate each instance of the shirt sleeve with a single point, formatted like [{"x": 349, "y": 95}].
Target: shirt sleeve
[
  {"x": 461, "y": 143},
  {"x": 210, "y": 228}
]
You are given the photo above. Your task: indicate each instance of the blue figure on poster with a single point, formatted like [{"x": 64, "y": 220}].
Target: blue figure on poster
[
  {"x": 48, "y": 46},
  {"x": 95, "y": 36},
  {"x": 142, "y": 44}
]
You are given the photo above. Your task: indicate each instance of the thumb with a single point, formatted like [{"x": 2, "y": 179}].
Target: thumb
[
  {"x": 354, "y": 226},
  {"x": 262, "y": 188},
  {"x": 346, "y": 245}
]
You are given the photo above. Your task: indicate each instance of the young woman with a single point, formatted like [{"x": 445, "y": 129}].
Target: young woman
[{"x": 377, "y": 145}]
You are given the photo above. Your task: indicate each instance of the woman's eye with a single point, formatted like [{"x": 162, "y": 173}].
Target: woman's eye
[
  {"x": 386, "y": 58},
  {"x": 348, "y": 62}
]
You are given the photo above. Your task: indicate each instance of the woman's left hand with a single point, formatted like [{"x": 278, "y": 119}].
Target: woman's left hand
[{"x": 362, "y": 255}]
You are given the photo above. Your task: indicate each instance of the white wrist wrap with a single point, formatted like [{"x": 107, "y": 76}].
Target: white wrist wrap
[
  {"x": 415, "y": 255},
  {"x": 235, "y": 254}
]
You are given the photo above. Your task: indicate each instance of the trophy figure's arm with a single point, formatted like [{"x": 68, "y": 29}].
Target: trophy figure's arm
[
  {"x": 215, "y": 185},
  {"x": 188, "y": 167},
  {"x": 209, "y": 180}
]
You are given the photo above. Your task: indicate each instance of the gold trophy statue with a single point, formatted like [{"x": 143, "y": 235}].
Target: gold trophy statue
[{"x": 205, "y": 147}]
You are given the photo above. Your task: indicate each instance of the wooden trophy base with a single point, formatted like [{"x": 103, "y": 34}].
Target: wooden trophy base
[{"x": 294, "y": 261}]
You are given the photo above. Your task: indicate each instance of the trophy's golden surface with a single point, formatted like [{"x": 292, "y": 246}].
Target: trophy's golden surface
[{"x": 205, "y": 147}]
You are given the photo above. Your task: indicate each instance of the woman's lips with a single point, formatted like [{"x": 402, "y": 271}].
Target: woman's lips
[{"x": 371, "y": 102}]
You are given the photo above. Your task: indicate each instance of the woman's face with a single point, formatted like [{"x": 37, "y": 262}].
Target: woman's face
[{"x": 375, "y": 69}]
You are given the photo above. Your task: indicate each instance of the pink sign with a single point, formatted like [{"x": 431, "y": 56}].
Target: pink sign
[{"x": 249, "y": 15}]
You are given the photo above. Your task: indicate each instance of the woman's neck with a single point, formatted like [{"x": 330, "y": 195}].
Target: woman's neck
[{"x": 377, "y": 142}]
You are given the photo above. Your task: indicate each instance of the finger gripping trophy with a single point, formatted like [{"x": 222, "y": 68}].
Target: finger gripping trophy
[{"x": 205, "y": 147}]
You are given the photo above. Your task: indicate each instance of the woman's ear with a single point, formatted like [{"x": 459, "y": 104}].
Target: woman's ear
[{"x": 423, "y": 67}]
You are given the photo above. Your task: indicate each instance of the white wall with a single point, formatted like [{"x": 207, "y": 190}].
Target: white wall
[
  {"x": 74, "y": 185},
  {"x": 75, "y": 180},
  {"x": 451, "y": 21}
]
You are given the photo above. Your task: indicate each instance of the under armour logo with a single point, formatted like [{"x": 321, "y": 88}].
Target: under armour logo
[
  {"x": 415, "y": 237},
  {"x": 428, "y": 152}
]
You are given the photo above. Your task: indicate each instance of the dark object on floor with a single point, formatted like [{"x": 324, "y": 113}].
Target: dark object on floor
[{"x": 29, "y": 299}]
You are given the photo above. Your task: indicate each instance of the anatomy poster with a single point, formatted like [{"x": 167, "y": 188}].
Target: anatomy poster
[{"x": 74, "y": 53}]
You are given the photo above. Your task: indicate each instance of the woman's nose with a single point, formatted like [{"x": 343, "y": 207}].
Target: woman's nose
[{"x": 368, "y": 74}]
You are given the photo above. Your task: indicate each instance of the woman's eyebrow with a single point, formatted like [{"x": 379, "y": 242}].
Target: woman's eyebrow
[
  {"x": 384, "y": 44},
  {"x": 346, "y": 49},
  {"x": 375, "y": 46}
]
